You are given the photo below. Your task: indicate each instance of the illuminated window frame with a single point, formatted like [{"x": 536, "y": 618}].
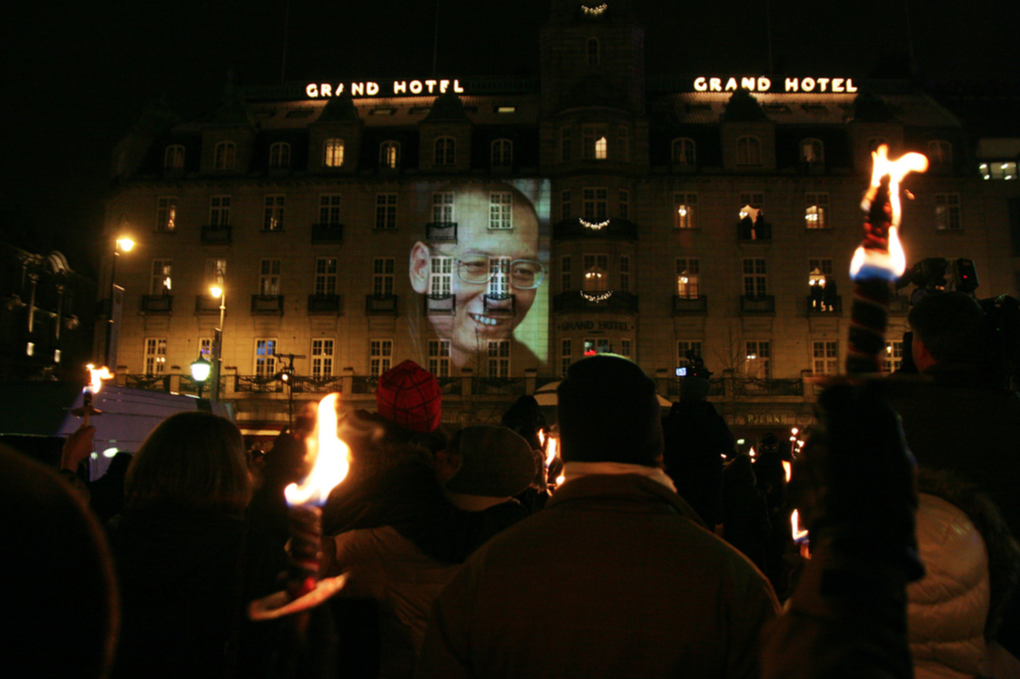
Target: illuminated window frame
[
  {"x": 596, "y": 272},
  {"x": 161, "y": 280},
  {"x": 439, "y": 357},
  {"x": 166, "y": 213},
  {"x": 279, "y": 154},
  {"x": 154, "y": 358},
  {"x": 389, "y": 155},
  {"x": 816, "y": 210},
  {"x": 380, "y": 356},
  {"x": 323, "y": 350},
  {"x": 685, "y": 210},
  {"x": 173, "y": 157},
  {"x": 947, "y": 212},
  {"x": 273, "y": 211},
  {"x": 688, "y": 277},
  {"x": 756, "y": 281},
  {"x": 825, "y": 357},
  {"x": 684, "y": 152},
  {"x": 893, "y": 359},
  {"x": 440, "y": 277},
  {"x": 265, "y": 356},
  {"x": 383, "y": 276},
  {"x": 443, "y": 207},
  {"x": 269, "y": 277},
  {"x": 225, "y": 155},
  {"x": 498, "y": 359},
  {"x": 760, "y": 366},
  {"x": 501, "y": 205},
  {"x": 326, "y": 271},
  {"x": 594, "y": 136},
  {"x": 749, "y": 151},
  {"x": 333, "y": 152},
  {"x": 683, "y": 346},
  {"x": 812, "y": 151}
]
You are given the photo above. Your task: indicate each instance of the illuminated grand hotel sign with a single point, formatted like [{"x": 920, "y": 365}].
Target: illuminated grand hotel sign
[
  {"x": 763, "y": 84},
  {"x": 372, "y": 89}
]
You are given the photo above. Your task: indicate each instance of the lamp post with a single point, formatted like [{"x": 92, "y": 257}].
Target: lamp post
[
  {"x": 123, "y": 243},
  {"x": 217, "y": 366},
  {"x": 200, "y": 372}
]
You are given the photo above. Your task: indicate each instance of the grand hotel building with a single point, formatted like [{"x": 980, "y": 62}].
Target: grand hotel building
[{"x": 658, "y": 214}]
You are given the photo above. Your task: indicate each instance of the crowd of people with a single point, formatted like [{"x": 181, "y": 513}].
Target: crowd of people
[{"x": 648, "y": 546}]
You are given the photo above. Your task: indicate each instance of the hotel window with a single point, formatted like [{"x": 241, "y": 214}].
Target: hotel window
[
  {"x": 499, "y": 284},
  {"x": 333, "y": 153},
  {"x": 325, "y": 276},
  {"x": 998, "y": 170},
  {"x": 596, "y": 203},
  {"x": 597, "y": 346},
  {"x": 219, "y": 210},
  {"x": 173, "y": 157},
  {"x": 626, "y": 348},
  {"x": 947, "y": 211},
  {"x": 265, "y": 357},
  {"x": 502, "y": 153},
  {"x": 329, "y": 208},
  {"x": 382, "y": 276},
  {"x": 758, "y": 359},
  {"x": 683, "y": 346},
  {"x": 685, "y": 207},
  {"x": 565, "y": 204},
  {"x": 688, "y": 278},
  {"x": 160, "y": 283},
  {"x": 442, "y": 207},
  {"x": 166, "y": 213},
  {"x": 446, "y": 151},
  {"x": 749, "y": 151},
  {"x": 624, "y": 273},
  {"x": 893, "y": 359},
  {"x": 205, "y": 347},
  {"x": 812, "y": 151},
  {"x": 279, "y": 154},
  {"x": 755, "y": 278},
  {"x": 441, "y": 277},
  {"x": 565, "y": 141},
  {"x": 684, "y": 152},
  {"x": 215, "y": 271},
  {"x": 389, "y": 155},
  {"x": 385, "y": 210},
  {"x": 592, "y": 52},
  {"x": 439, "y": 358},
  {"x": 499, "y": 358},
  {"x": 818, "y": 270},
  {"x": 825, "y": 358},
  {"x": 322, "y": 358},
  {"x": 595, "y": 143},
  {"x": 269, "y": 277},
  {"x": 272, "y": 215},
  {"x": 380, "y": 354},
  {"x": 224, "y": 155},
  {"x": 155, "y": 355},
  {"x": 566, "y": 356},
  {"x": 875, "y": 142},
  {"x": 940, "y": 152},
  {"x": 500, "y": 210},
  {"x": 624, "y": 204},
  {"x": 754, "y": 199},
  {"x": 596, "y": 273},
  {"x": 816, "y": 211},
  {"x": 565, "y": 283}
]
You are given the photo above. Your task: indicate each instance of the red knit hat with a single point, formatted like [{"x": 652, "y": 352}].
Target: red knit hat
[{"x": 410, "y": 397}]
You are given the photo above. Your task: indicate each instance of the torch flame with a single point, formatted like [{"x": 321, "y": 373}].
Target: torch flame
[
  {"x": 788, "y": 470},
  {"x": 331, "y": 459},
  {"x": 799, "y": 534},
  {"x": 550, "y": 453},
  {"x": 96, "y": 377}
]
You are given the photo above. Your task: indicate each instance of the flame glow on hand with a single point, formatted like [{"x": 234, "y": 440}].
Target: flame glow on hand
[{"x": 331, "y": 459}]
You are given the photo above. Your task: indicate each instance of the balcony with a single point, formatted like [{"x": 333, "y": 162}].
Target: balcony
[
  {"x": 440, "y": 305},
  {"x": 690, "y": 306},
  {"x": 500, "y": 304},
  {"x": 616, "y": 302},
  {"x": 760, "y": 232},
  {"x": 206, "y": 305},
  {"x": 325, "y": 305},
  {"x": 609, "y": 229},
  {"x": 821, "y": 307},
  {"x": 258, "y": 384},
  {"x": 216, "y": 234},
  {"x": 267, "y": 305},
  {"x": 765, "y": 305},
  {"x": 441, "y": 231},
  {"x": 380, "y": 305},
  {"x": 499, "y": 386},
  {"x": 755, "y": 387},
  {"x": 327, "y": 233},
  {"x": 157, "y": 305},
  {"x": 326, "y": 384}
]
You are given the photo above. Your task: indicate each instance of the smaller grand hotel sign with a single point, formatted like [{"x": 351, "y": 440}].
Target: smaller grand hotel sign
[
  {"x": 764, "y": 84},
  {"x": 396, "y": 88}
]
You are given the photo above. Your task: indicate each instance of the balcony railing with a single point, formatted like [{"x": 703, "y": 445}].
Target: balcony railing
[
  {"x": 749, "y": 386},
  {"x": 316, "y": 385},
  {"x": 618, "y": 302},
  {"x": 610, "y": 228},
  {"x": 716, "y": 386},
  {"x": 380, "y": 305},
  {"x": 441, "y": 231},
  {"x": 325, "y": 305},
  {"x": 500, "y": 304},
  {"x": 257, "y": 384},
  {"x": 206, "y": 305},
  {"x": 758, "y": 233},
  {"x": 765, "y": 305},
  {"x": 216, "y": 234},
  {"x": 267, "y": 305},
  {"x": 438, "y": 305},
  {"x": 149, "y": 382},
  {"x": 683, "y": 306},
  {"x": 499, "y": 386},
  {"x": 364, "y": 384},
  {"x": 822, "y": 307},
  {"x": 154, "y": 305},
  {"x": 327, "y": 233}
]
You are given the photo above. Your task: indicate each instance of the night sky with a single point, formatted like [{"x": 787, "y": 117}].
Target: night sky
[{"x": 77, "y": 75}]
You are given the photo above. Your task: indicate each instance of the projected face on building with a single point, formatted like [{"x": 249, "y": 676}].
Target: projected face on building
[{"x": 481, "y": 277}]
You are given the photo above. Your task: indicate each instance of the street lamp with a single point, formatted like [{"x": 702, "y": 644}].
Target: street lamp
[
  {"x": 200, "y": 372},
  {"x": 125, "y": 244},
  {"x": 218, "y": 291}
]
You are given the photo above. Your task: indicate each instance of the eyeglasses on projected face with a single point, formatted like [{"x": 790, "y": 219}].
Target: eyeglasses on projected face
[{"x": 521, "y": 274}]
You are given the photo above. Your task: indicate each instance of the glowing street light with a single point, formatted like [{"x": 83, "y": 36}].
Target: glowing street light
[
  {"x": 218, "y": 291},
  {"x": 200, "y": 372}
]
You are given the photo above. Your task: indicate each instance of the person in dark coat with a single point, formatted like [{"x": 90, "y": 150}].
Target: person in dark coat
[{"x": 746, "y": 523}]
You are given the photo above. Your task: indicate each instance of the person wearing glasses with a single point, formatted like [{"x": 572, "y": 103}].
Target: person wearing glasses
[{"x": 482, "y": 282}]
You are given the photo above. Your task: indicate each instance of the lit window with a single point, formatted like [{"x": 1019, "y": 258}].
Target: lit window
[
  {"x": 279, "y": 154},
  {"x": 755, "y": 278},
  {"x": 155, "y": 355},
  {"x": 322, "y": 357},
  {"x": 596, "y": 146},
  {"x": 947, "y": 211},
  {"x": 442, "y": 207},
  {"x": 269, "y": 277},
  {"x": 389, "y": 155},
  {"x": 596, "y": 273},
  {"x": 329, "y": 208},
  {"x": 219, "y": 210},
  {"x": 385, "y": 210},
  {"x": 688, "y": 278},
  {"x": 893, "y": 359},
  {"x": 940, "y": 152},
  {"x": 439, "y": 358},
  {"x": 225, "y": 155},
  {"x": 265, "y": 357},
  {"x": 502, "y": 153},
  {"x": 446, "y": 151},
  {"x": 816, "y": 212},
  {"x": 749, "y": 151},
  {"x": 500, "y": 210},
  {"x": 812, "y": 151},
  {"x": 333, "y": 153},
  {"x": 998, "y": 170},
  {"x": 205, "y": 347},
  {"x": 173, "y": 157},
  {"x": 215, "y": 271},
  {"x": 380, "y": 356},
  {"x": 499, "y": 283},
  {"x": 596, "y": 203},
  {"x": 685, "y": 208},
  {"x": 684, "y": 346},
  {"x": 593, "y": 347},
  {"x": 683, "y": 152},
  {"x": 592, "y": 52},
  {"x": 441, "y": 277},
  {"x": 382, "y": 276},
  {"x": 825, "y": 358},
  {"x": 758, "y": 361},
  {"x": 166, "y": 213},
  {"x": 499, "y": 358},
  {"x": 161, "y": 283},
  {"x": 272, "y": 215},
  {"x": 325, "y": 276}
]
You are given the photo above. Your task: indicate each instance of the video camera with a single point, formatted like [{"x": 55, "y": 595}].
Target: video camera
[
  {"x": 696, "y": 367},
  {"x": 929, "y": 275}
]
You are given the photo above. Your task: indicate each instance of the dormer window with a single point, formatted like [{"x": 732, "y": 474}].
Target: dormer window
[
  {"x": 173, "y": 157},
  {"x": 446, "y": 151},
  {"x": 225, "y": 155},
  {"x": 593, "y": 52},
  {"x": 749, "y": 151},
  {"x": 502, "y": 153},
  {"x": 940, "y": 152},
  {"x": 279, "y": 154},
  {"x": 684, "y": 152},
  {"x": 389, "y": 155},
  {"x": 333, "y": 153},
  {"x": 812, "y": 151}
]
